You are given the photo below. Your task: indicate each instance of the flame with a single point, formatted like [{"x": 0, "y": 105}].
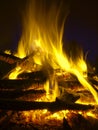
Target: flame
[
  {"x": 52, "y": 91},
  {"x": 14, "y": 74},
  {"x": 43, "y": 34},
  {"x": 21, "y": 54},
  {"x": 7, "y": 52}
]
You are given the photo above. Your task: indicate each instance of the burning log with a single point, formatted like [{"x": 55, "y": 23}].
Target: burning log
[
  {"x": 26, "y": 64},
  {"x": 8, "y": 58},
  {"x": 7, "y": 63},
  {"x": 39, "y": 75},
  {"x": 70, "y": 85},
  {"x": 51, "y": 106},
  {"x": 17, "y": 94},
  {"x": 18, "y": 84}
]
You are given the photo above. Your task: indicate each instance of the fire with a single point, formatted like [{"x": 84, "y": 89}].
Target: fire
[
  {"x": 52, "y": 91},
  {"x": 14, "y": 74},
  {"x": 42, "y": 36}
]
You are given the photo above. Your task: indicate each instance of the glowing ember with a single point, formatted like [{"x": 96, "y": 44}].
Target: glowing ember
[{"x": 46, "y": 116}]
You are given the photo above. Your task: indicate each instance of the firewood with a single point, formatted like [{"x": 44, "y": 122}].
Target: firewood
[
  {"x": 19, "y": 84},
  {"x": 26, "y": 64},
  {"x": 18, "y": 105},
  {"x": 40, "y": 75},
  {"x": 68, "y": 83},
  {"x": 8, "y": 58},
  {"x": 16, "y": 94},
  {"x": 7, "y": 63}
]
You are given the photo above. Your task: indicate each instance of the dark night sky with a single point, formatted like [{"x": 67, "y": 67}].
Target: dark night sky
[{"x": 81, "y": 24}]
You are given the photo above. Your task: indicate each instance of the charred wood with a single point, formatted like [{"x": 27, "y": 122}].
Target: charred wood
[
  {"x": 19, "y": 84},
  {"x": 51, "y": 106},
  {"x": 8, "y": 58},
  {"x": 5, "y": 68},
  {"x": 7, "y": 63},
  {"x": 69, "y": 83},
  {"x": 26, "y": 64},
  {"x": 38, "y": 75},
  {"x": 17, "y": 94}
]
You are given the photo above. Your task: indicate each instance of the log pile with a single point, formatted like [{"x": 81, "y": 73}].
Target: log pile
[
  {"x": 51, "y": 106},
  {"x": 15, "y": 96}
]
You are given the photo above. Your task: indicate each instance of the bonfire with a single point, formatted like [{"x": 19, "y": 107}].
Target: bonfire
[{"x": 50, "y": 87}]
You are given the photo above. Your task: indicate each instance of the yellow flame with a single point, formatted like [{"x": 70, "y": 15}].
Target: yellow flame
[
  {"x": 7, "y": 52},
  {"x": 51, "y": 88},
  {"x": 91, "y": 114},
  {"x": 21, "y": 53},
  {"x": 16, "y": 72},
  {"x": 43, "y": 32}
]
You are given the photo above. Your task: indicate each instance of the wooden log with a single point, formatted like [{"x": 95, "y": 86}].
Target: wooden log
[
  {"x": 68, "y": 82},
  {"x": 9, "y": 58},
  {"x": 39, "y": 75},
  {"x": 18, "y": 105},
  {"x": 17, "y": 94},
  {"x": 26, "y": 63},
  {"x": 7, "y": 63},
  {"x": 18, "y": 84}
]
